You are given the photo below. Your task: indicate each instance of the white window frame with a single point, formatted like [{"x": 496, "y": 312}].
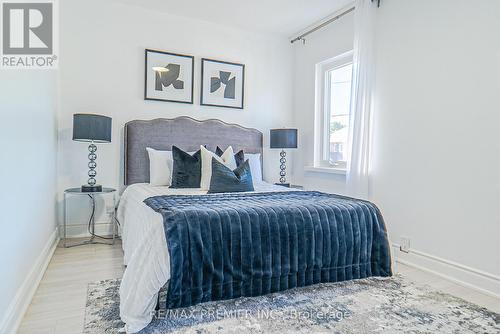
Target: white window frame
[{"x": 322, "y": 111}]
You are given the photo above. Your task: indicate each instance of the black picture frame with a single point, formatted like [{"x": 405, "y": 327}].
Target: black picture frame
[
  {"x": 146, "y": 51},
  {"x": 242, "y": 104}
]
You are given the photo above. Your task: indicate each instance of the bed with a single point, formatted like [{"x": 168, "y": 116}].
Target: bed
[{"x": 207, "y": 247}]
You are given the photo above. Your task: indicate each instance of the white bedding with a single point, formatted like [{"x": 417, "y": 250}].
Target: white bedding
[{"x": 145, "y": 251}]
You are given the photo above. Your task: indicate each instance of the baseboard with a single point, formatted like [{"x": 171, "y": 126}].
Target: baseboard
[
  {"x": 466, "y": 276},
  {"x": 25, "y": 293}
]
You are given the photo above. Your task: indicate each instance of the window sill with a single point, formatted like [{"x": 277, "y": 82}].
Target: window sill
[{"x": 327, "y": 170}]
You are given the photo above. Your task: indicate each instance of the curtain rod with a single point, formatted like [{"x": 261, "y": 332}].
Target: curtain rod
[{"x": 335, "y": 18}]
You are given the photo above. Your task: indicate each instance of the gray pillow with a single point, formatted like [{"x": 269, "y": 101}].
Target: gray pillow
[
  {"x": 226, "y": 180},
  {"x": 186, "y": 169}
]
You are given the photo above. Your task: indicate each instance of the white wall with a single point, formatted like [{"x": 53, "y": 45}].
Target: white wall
[
  {"x": 102, "y": 71},
  {"x": 28, "y": 131},
  {"x": 435, "y": 172},
  {"x": 437, "y": 149},
  {"x": 331, "y": 41}
]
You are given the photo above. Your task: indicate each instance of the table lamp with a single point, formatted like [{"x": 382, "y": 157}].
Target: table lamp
[
  {"x": 283, "y": 138},
  {"x": 94, "y": 129}
]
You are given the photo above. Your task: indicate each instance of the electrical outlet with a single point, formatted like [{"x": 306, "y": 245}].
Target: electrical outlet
[{"x": 405, "y": 245}]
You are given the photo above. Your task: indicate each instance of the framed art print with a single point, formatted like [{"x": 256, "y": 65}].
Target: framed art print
[
  {"x": 222, "y": 84},
  {"x": 168, "y": 77}
]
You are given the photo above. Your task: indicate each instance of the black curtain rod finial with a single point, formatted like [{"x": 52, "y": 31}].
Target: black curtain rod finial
[{"x": 299, "y": 39}]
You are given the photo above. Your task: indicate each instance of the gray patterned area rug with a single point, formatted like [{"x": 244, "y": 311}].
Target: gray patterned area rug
[{"x": 374, "y": 305}]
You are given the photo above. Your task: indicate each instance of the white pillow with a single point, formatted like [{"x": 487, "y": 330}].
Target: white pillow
[
  {"x": 206, "y": 164},
  {"x": 255, "y": 166},
  {"x": 160, "y": 167}
]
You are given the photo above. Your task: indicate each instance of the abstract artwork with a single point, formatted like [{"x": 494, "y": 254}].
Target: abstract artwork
[
  {"x": 168, "y": 77},
  {"x": 222, "y": 83}
]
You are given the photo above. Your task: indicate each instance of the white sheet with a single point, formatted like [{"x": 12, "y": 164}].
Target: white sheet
[{"x": 145, "y": 251}]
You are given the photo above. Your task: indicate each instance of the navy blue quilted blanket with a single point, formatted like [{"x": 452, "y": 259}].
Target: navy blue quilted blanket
[{"x": 230, "y": 245}]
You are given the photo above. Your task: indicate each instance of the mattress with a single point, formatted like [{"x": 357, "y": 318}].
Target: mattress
[{"x": 145, "y": 253}]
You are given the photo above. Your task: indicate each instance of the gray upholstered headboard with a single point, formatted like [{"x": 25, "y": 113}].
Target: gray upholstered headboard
[{"x": 184, "y": 132}]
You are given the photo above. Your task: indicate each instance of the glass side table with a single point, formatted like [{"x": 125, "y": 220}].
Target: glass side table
[{"x": 94, "y": 238}]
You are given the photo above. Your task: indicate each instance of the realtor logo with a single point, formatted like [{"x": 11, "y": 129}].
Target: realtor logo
[{"x": 28, "y": 34}]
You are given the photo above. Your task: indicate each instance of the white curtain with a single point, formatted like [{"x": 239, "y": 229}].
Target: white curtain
[{"x": 362, "y": 99}]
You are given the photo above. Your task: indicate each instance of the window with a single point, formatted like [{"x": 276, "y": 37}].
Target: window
[{"x": 333, "y": 100}]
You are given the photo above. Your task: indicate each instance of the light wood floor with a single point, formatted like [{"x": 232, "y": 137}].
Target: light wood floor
[{"x": 59, "y": 303}]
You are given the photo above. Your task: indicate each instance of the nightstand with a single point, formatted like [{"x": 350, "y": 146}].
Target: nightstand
[{"x": 91, "y": 226}]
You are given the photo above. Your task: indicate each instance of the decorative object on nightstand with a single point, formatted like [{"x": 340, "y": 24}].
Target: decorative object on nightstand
[
  {"x": 94, "y": 129},
  {"x": 283, "y": 138},
  {"x": 91, "y": 223},
  {"x": 288, "y": 185}
]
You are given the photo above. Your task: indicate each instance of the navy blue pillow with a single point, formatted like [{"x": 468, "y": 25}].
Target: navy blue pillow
[
  {"x": 186, "y": 170},
  {"x": 239, "y": 157},
  {"x": 226, "y": 180}
]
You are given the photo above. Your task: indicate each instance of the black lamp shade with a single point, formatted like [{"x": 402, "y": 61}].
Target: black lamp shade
[
  {"x": 283, "y": 138},
  {"x": 89, "y": 127}
]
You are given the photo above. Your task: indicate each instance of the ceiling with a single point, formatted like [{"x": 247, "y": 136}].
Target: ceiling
[{"x": 284, "y": 17}]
